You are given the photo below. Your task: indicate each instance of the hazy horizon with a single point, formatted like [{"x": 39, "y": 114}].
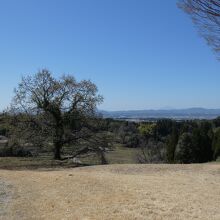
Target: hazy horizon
[
  {"x": 158, "y": 109},
  {"x": 145, "y": 109}
]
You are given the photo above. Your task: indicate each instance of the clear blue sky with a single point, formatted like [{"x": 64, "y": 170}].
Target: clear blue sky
[{"x": 142, "y": 54}]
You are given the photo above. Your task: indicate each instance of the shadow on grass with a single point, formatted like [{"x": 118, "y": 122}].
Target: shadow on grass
[{"x": 21, "y": 163}]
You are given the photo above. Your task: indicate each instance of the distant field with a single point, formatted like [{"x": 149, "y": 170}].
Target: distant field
[
  {"x": 123, "y": 155},
  {"x": 115, "y": 192}
]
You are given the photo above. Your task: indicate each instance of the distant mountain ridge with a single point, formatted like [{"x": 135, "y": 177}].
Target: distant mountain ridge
[{"x": 188, "y": 113}]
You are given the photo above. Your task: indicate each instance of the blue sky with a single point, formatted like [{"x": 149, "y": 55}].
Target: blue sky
[{"x": 142, "y": 54}]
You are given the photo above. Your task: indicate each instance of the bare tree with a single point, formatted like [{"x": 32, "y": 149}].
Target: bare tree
[
  {"x": 53, "y": 110},
  {"x": 206, "y": 16},
  {"x": 151, "y": 152}
]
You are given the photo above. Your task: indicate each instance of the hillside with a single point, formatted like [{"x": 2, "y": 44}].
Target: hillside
[{"x": 113, "y": 192}]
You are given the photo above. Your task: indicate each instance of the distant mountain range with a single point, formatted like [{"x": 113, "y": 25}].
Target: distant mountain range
[{"x": 189, "y": 113}]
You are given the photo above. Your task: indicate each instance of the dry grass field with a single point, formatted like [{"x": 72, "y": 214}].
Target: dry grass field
[{"x": 113, "y": 192}]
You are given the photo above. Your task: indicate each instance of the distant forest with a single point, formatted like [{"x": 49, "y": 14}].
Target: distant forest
[{"x": 164, "y": 141}]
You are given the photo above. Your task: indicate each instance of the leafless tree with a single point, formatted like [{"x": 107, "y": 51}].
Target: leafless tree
[
  {"x": 151, "y": 152},
  {"x": 53, "y": 110},
  {"x": 206, "y": 16}
]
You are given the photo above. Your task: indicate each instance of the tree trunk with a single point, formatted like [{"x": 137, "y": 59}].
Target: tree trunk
[
  {"x": 57, "y": 151},
  {"x": 103, "y": 158},
  {"x": 58, "y": 143}
]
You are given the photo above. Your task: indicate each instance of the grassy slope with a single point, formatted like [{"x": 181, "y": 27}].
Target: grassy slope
[{"x": 116, "y": 192}]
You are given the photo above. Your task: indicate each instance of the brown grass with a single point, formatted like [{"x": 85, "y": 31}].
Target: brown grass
[{"x": 116, "y": 192}]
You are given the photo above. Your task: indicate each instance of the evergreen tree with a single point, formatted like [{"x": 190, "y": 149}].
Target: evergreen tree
[
  {"x": 216, "y": 145},
  {"x": 172, "y": 142}
]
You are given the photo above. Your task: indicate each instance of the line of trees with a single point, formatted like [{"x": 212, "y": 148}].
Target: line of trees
[{"x": 164, "y": 141}]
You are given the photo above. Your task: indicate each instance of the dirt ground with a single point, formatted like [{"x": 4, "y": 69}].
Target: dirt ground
[{"x": 113, "y": 192}]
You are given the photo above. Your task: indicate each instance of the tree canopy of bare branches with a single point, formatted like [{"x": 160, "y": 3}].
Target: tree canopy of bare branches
[
  {"x": 46, "y": 109},
  {"x": 206, "y": 16}
]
